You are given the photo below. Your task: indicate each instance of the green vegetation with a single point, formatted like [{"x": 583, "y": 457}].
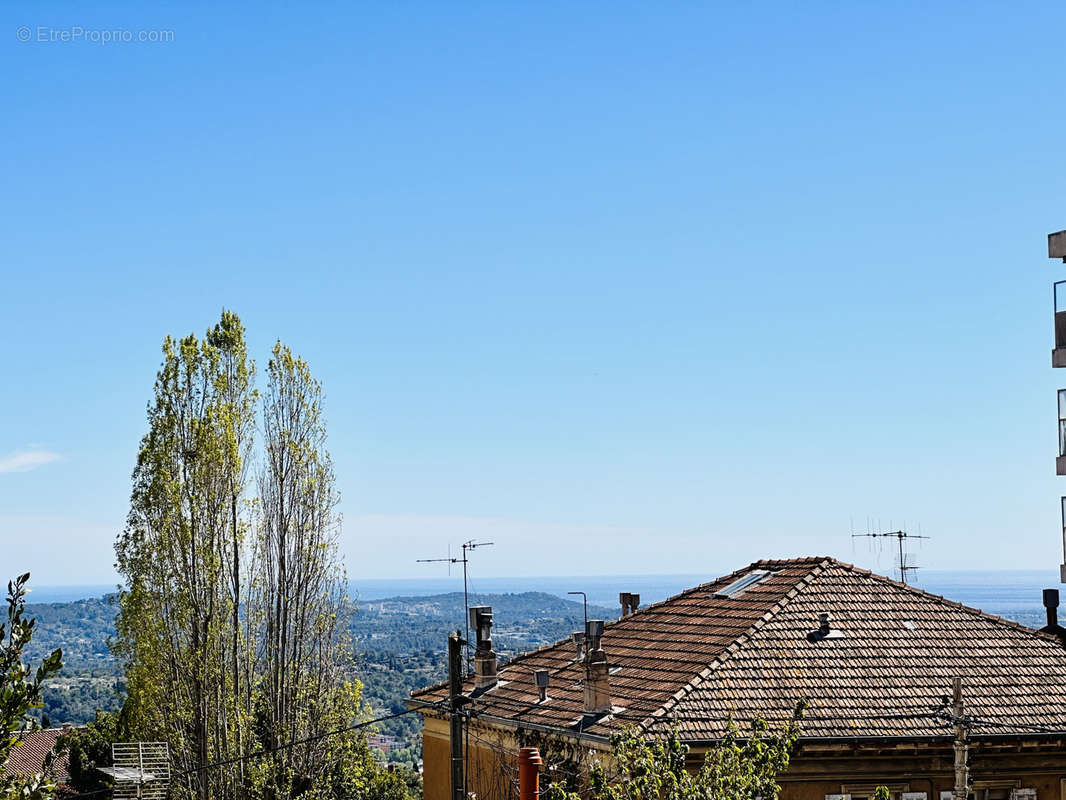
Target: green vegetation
[
  {"x": 20, "y": 692},
  {"x": 90, "y": 747},
  {"x": 400, "y": 646},
  {"x": 742, "y": 766},
  {"x": 232, "y": 625},
  {"x": 403, "y": 645}
]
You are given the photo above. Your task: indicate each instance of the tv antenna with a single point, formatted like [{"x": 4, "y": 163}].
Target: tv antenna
[
  {"x": 900, "y": 536},
  {"x": 141, "y": 770},
  {"x": 468, "y": 546}
]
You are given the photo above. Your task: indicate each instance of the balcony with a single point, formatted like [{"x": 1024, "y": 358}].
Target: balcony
[{"x": 1058, "y": 355}]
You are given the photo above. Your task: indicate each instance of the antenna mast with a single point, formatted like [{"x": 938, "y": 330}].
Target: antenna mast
[
  {"x": 899, "y": 536},
  {"x": 468, "y": 546}
]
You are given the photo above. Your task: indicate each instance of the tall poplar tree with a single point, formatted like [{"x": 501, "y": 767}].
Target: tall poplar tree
[
  {"x": 233, "y": 624},
  {"x": 176, "y": 630},
  {"x": 301, "y": 595},
  {"x": 235, "y": 403}
]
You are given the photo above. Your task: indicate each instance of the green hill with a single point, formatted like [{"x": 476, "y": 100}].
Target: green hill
[{"x": 400, "y": 645}]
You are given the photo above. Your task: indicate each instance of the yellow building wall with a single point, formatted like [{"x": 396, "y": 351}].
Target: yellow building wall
[
  {"x": 491, "y": 762},
  {"x": 436, "y": 752},
  {"x": 492, "y": 771}
]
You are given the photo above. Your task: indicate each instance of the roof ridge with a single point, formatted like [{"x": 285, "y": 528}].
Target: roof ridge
[
  {"x": 939, "y": 598},
  {"x": 818, "y": 568}
]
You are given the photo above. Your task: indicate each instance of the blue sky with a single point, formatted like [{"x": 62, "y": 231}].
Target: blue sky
[{"x": 623, "y": 287}]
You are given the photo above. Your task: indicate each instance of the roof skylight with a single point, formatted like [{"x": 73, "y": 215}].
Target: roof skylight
[{"x": 744, "y": 582}]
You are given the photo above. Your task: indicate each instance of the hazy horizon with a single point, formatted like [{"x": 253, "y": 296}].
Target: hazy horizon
[{"x": 1016, "y": 585}]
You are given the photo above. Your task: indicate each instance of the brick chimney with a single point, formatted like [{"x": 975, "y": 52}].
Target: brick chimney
[
  {"x": 597, "y": 671},
  {"x": 484, "y": 656},
  {"x": 629, "y": 602}
]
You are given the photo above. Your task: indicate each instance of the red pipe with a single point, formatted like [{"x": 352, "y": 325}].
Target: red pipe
[{"x": 529, "y": 773}]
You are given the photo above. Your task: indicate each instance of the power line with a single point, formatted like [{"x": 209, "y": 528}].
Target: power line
[
  {"x": 268, "y": 751},
  {"x": 296, "y": 743}
]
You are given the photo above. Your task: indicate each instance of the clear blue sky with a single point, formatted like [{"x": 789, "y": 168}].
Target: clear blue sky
[{"x": 626, "y": 288}]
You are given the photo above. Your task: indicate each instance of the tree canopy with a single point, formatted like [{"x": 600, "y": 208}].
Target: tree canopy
[{"x": 233, "y": 623}]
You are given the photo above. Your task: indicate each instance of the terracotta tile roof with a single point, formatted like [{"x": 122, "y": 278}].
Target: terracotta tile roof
[
  {"x": 696, "y": 659},
  {"x": 28, "y": 758}
]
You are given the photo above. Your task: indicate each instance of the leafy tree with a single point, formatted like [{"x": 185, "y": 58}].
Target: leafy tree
[
  {"x": 345, "y": 765},
  {"x": 235, "y": 409},
  {"x": 739, "y": 767},
  {"x": 233, "y": 626},
  {"x": 176, "y": 629},
  {"x": 90, "y": 747},
  {"x": 20, "y": 692},
  {"x": 300, "y": 594}
]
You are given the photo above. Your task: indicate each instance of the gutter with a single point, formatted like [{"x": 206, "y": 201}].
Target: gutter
[
  {"x": 415, "y": 704},
  {"x": 504, "y": 722},
  {"x": 901, "y": 740}
]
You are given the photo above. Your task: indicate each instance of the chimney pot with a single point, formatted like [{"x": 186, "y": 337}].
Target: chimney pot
[
  {"x": 1051, "y": 605},
  {"x": 541, "y": 678},
  {"x": 824, "y": 620},
  {"x": 629, "y": 602},
  {"x": 579, "y": 643},
  {"x": 529, "y": 762},
  {"x": 484, "y": 656},
  {"x": 593, "y": 634}
]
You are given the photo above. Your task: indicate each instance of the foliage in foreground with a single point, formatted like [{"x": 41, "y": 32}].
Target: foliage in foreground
[
  {"x": 90, "y": 747},
  {"x": 20, "y": 693},
  {"x": 740, "y": 767}
]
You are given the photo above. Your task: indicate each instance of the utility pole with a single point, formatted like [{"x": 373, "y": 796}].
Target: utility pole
[
  {"x": 962, "y": 770},
  {"x": 456, "y": 700},
  {"x": 900, "y": 536}
]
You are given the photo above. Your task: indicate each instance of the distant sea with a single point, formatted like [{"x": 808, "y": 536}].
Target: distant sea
[
  {"x": 1014, "y": 594},
  {"x": 67, "y": 594}
]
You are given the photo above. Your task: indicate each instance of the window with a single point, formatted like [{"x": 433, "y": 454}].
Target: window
[
  {"x": 995, "y": 790},
  {"x": 744, "y": 582},
  {"x": 864, "y": 791}
]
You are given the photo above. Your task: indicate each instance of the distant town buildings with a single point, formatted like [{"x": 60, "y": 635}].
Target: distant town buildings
[{"x": 384, "y": 743}]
